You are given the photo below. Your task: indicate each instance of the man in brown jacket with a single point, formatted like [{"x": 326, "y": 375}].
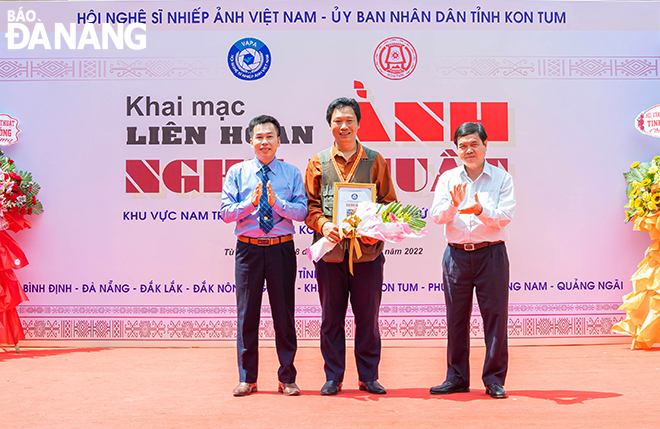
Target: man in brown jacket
[{"x": 347, "y": 161}]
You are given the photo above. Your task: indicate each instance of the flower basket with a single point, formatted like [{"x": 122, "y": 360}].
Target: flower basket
[{"x": 642, "y": 305}]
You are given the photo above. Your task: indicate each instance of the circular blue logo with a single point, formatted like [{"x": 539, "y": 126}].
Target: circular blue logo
[
  {"x": 354, "y": 196},
  {"x": 249, "y": 59}
]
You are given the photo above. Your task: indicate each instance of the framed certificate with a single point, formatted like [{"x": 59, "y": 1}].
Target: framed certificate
[{"x": 347, "y": 197}]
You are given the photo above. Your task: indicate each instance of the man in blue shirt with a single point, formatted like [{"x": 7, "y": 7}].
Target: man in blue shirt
[{"x": 264, "y": 196}]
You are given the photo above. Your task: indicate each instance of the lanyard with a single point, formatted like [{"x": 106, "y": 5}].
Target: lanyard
[{"x": 351, "y": 173}]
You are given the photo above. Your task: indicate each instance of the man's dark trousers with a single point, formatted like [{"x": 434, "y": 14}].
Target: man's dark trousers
[
  {"x": 487, "y": 271},
  {"x": 276, "y": 265},
  {"x": 336, "y": 284}
]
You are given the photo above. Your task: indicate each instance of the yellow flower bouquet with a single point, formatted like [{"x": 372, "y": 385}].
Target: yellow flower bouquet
[
  {"x": 643, "y": 190},
  {"x": 642, "y": 305}
]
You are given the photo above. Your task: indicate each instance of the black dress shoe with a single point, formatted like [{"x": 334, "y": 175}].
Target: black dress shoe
[
  {"x": 448, "y": 387},
  {"x": 372, "y": 387},
  {"x": 244, "y": 389},
  {"x": 331, "y": 388},
  {"x": 496, "y": 391},
  {"x": 288, "y": 389}
]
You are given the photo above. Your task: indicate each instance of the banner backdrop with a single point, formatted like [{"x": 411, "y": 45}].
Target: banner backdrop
[{"x": 132, "y": 112}]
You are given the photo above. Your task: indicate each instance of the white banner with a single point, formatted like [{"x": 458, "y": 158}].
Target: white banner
[{"x": 132, "y": 112}]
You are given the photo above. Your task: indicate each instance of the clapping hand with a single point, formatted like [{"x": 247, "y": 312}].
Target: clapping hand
[
  {"x": 458, "y": 194},
  {"x": 475, "y": 208},
  {"x": 271, "y": 194},
  {"x": 256, "y": 195},
  {"x": 457, "y": 197}
]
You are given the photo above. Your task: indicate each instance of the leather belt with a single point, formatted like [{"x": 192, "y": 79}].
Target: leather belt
[
  {"x": 469, "y": 247},
  {"x": 266, "y": 241}
]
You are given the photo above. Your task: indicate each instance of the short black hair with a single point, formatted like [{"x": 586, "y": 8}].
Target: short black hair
[
  {"x": 263, "y": 119},
  {"x": 468, "y": 128},
  {"x": 340, "y": 103}
]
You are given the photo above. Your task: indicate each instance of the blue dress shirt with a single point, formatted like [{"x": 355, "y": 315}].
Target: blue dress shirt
[{"x": 238, "y": 187}]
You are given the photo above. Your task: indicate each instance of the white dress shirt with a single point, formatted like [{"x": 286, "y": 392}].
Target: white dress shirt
[{"x": 494, "y": 188}]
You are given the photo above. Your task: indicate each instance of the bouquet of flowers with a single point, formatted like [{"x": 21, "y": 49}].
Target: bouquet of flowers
[
  {"x": 396, "y": 213},
  {"x": 18, "y": 196},
  {"x": 643, "y": 190},
  {"x": 391, "y": 223}
]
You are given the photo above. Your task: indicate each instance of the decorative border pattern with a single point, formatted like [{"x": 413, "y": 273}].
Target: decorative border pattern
[
  {"x": 218, "y": 323},
  {"x": 158, "y": 68},
  {"x": 305, "y": 310},
  {"x": 105, "y": 68},
  {"x": 552, "y": 67}
]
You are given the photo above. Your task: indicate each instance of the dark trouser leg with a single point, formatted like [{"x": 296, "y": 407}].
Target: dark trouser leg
[
  {"x": 492, "y": 288},
  {"x": 332, "y": 279},
  {"x": 280, "y": 281},
  {"x": 457, "y": 278},
  {"x": 366, "y": 292},
  {"x": 249, "y": 271}
]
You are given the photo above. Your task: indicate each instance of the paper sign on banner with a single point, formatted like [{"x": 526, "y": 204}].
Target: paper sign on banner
[
  {"x": 648, "y": 122},
  {"x": 8, "y": 130}
]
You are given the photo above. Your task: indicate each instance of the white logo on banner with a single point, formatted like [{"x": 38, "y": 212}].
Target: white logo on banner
[{"x": 648, "y": 122}]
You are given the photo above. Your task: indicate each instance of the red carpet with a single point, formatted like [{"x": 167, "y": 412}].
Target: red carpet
[{"x": 594, "y": 386}]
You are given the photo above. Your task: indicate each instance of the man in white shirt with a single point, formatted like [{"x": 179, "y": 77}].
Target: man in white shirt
[{"x": 475, "y": 202}]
